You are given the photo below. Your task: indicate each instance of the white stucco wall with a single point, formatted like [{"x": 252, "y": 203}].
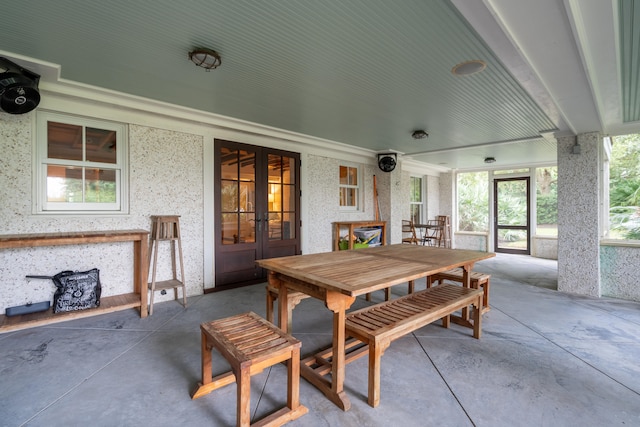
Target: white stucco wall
[
  {"x": 323, "y": 177},
  {"x": 578, "y": 215},
  {"x": 471, "y": 241},
  {"x": 166, "y": 178},
  {"x": 619, "y": 263},
  {"x": 544, "y": 247}
]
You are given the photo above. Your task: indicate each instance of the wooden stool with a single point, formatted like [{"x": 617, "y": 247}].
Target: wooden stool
[
  {"x": 166, "y": 228},
  {"x": 250, "y": 344},
  {"x": 294, "y": 299},
  {"x": 478, "y": 280}
]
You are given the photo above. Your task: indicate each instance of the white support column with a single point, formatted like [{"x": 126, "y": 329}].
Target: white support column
[{"x": 578, "y": 215}]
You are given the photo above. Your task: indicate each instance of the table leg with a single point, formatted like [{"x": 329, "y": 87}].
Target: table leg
[
  {"x": 466, "y": 282},
  {"x": 141, "y": 271},
  {"x": 283, "y": 305},
  {"x": 465, "y": 318},
  {"x": 334, "y": 388}
]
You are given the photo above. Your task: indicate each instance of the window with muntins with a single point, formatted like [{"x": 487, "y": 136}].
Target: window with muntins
[
  {"x": 349, "y": 188},
  {"x": 80, "y": 165},
  {"x": 416, "y": 202}
]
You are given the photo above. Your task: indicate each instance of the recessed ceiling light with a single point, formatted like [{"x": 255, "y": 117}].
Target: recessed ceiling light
[
  {"x": 469, "y": 67},
  {"x": 489, "y": 159}
]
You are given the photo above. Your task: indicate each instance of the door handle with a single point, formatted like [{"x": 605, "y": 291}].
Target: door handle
[{"x": 258, "y": 223}]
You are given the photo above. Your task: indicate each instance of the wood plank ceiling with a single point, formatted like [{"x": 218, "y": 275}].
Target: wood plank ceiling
[{"x": 359, "y": 72}]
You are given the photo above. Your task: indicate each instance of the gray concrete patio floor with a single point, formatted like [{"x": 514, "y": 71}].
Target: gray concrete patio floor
[{"x": 545, "y": 359}]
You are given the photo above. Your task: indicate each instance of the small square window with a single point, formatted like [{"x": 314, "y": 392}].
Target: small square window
[{"x": 81, "y": 165}]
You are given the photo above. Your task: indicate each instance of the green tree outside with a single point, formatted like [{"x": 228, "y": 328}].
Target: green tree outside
[{"x": 624, "y": 187}]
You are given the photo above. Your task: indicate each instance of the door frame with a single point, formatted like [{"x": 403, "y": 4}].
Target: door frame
[
  {"x": 263, "y": 245},
  {"x": 496, "y": 227}
]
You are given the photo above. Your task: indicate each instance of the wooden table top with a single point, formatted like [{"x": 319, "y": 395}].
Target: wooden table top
[{"x": 360, "y": 271}]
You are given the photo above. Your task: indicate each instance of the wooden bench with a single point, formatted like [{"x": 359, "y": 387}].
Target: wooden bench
[
  {"x": 382, "y": 323},
  {"x": 250, "y": 344},
  {"x": 478, "y": 280}
]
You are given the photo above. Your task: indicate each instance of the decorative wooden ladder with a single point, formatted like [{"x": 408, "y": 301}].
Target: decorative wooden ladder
[{"x": 166, "y": 228}]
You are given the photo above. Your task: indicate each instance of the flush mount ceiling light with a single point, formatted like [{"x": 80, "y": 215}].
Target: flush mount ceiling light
[
  {"x": 469, "y": 67},
  {"x": 489, "y": 159},
  {"x": 419, "y": 134},
  {"x": 205, "y": 58}
]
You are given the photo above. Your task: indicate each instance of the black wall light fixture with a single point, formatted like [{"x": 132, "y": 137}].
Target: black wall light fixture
[
  {"x": 387, "y": 161},
  {"x": 18, "y": 88}
]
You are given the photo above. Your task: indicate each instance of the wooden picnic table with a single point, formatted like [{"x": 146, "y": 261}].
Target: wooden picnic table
[{"x": 337, "y": 278}]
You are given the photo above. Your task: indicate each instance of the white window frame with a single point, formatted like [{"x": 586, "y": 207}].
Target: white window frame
[
  {"x": 357, "y": 187},
  {"x": 422, "y": 194},
  {"x": 41, "y": 161}
]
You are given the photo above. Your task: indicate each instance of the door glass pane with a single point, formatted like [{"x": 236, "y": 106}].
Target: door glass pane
[
  {"x": 230, "y": 234},
  {"x": 275, "y": 168},
  {"x": 275, "y": 226},
  {"x": 288, "y": 166},
  {"x": 229, "y": 163},
  {"x": 512, "y": 203},
  {"x": 229, "y": 196},
  {"x": 512, "y": 239},
  {"x": 247, "y": 196},
  {"x": 247, "y": 161},
  {"x": 288, "y": 201},
  {"x": 247, "y": 229},
  {"x": 288, "y": 228},
  {"x": 237, "y": 196}
]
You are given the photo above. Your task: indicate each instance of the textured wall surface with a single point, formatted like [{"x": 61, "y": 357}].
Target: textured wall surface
[
  {"x": 619, "y": 271},
  {"x": 545, "y": 247},
  {"x": 578, "y": 204},
  {"x": 471, "y": 241},
  {"x": 165, "y": 177},
  {"x": 435, "y": 189},
  {"x": 397, "y": 202},
  {"x": 323, "y": 179}
]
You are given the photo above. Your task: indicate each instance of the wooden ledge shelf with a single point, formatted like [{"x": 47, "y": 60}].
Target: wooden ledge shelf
[
  {"x": 107, "y": 305},
  {"x": 138, "y": 298}
]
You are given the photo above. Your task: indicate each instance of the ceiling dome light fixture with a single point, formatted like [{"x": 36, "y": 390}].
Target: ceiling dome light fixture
[
  {"x": 419, "y": 134},
  {"x": 469, "y": 67},
  {"x": 205, "y": 58},
  {"x": 489, "y": 159}
]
